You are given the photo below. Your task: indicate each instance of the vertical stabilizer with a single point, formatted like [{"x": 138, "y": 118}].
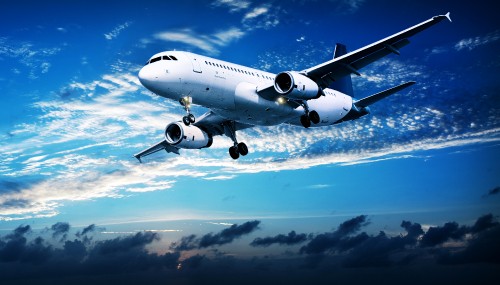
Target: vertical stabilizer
[{"x": 343, "y": 84}]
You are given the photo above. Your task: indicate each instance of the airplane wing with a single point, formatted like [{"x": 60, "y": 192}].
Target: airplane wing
[
  {"x": 214, "y": 124},
  {"x": 209, "y": 122},
  {"x": 324, "y": 74}
]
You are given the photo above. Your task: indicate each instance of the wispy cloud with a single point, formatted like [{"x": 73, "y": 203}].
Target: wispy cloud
[
  {"x": 256, "y": 12},
  {"x": 259, "y": 17},
  {"x": 233, "y": 5},
  {"x": 208, "y": 43},
  {"x": 117, "y": 30},
  {"x": 33, "y": 57},
  {"x": 472, "y": 43}
]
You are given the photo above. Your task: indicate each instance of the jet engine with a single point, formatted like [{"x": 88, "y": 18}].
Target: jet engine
[
  {"x": 294, "y": 85},
  {"x": 190, "y": 137}
]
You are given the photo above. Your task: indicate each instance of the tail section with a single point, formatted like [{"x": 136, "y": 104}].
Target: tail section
[
  {"x": 343, "y": 84},
  {"x": 367, "y": 101},
  {"x": 360, "y": 107}
]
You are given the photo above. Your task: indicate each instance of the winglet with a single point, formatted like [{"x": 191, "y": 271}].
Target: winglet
[
  {"x": 448, "y": 16},
  {"x": 441, "y": 17},
  {"x": 138, "y": 158}
]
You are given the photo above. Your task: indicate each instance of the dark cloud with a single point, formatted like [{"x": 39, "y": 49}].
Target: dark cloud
[
  {"x": 229, "y": 234},
  {"x": 223, "y": 237},
  {"x": 12, "y": 246},
  {"x": 483, "y": 248},
  {"x": 186, "y": 243},
  {"x": 361, "y": 250},
  {"x": 122, "y": 244},
  {"x": 452, "y": 231},
  {"x": 126, "y": 259},
  {"x": 85, "y": 232},
  {"x": 483, "y": 223},
  {"x": 60, "y": 229},
  {"x": 339, "y": 239},
  {"x": 353, "y": 225},
  {"x": 88, "y": 229},
  {"x": 493, "y": 191},
  {"x": 290, "y": 239},
  {"x": 438, "y": 235}
]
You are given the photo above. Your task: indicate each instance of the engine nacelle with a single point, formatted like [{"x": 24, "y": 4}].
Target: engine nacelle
[
  {"x": 190, "y": 137},
  {"x": 294, "y": 85}
]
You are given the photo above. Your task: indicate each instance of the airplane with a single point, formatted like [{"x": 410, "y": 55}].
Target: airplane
[{"x": 240, "y": 97}]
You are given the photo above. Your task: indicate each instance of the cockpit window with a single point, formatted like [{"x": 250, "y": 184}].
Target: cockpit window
[
  {"x": 155, "y": 59},
  {"x": 165, "y": 57}
]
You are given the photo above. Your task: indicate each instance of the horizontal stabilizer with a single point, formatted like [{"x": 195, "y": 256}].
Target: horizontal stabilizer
[
  {"x": 367, "y": 101},
  {"x": 163, "y": 145}
]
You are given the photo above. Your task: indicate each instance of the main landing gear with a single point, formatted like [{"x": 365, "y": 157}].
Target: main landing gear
[
  {"x": 238, "y": 148},
  {"x": 186, "y": 103},
  {"x": 309, "y": 116}
]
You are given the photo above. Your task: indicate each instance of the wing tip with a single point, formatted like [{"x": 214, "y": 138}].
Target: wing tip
[
  {"x": 440, "y": 17},
  {"x": 447, "y": 15},
  {"x": 138, "y": 157}
]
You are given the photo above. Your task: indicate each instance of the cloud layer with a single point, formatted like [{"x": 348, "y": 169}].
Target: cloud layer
[{"x": 25, "y": 254}]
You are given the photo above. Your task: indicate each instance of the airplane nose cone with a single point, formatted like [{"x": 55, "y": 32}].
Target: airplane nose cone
[{"x": 146, "y": 76}]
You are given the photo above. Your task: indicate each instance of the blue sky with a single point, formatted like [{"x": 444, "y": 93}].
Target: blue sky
[{"x": 74, "y": 112}]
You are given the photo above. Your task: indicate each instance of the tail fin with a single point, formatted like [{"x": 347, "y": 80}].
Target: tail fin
[{"x": 343, "y": 84}]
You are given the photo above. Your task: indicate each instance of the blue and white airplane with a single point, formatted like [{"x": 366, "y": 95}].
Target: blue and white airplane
[{"x": 240, "y": 97}]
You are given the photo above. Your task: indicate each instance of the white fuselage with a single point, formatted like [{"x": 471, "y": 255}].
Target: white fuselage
[{"x": 230, "y": 90}]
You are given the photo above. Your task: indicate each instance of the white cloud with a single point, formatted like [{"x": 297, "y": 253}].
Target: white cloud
[
  {"x": 319, "y": 186},
  {"x": 256, "y": 12},
  {"x": 117, "y": 30},
  {"x": 220, "y": 177},
  {"x": 233, "y": 5},
  {"x": 208, "y": 43},
  {"x": 45, "y": 67},
  {"x": 472, "y": 43},
  {"x": 262, "y": 17},
  {"x": 33, "y": 57}
]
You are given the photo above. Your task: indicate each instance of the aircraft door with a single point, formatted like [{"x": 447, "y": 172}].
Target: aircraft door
[{"x": 196, "y": 65}]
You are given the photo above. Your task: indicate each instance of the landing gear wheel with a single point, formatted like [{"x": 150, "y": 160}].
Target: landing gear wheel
[
  {"x": 233, "y": 152},
  {"x": 314, "y": 117},
  {"x": 305, "y": 121},
  {"x": 242, "y": 149},
  {"x": 191, "y": 118},
  {"x": 186, "y": 120}
]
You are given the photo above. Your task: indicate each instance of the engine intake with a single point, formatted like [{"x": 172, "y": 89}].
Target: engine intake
[
  {"x": 189, "y": 137},
  {"x": 294, "y": 85}
]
